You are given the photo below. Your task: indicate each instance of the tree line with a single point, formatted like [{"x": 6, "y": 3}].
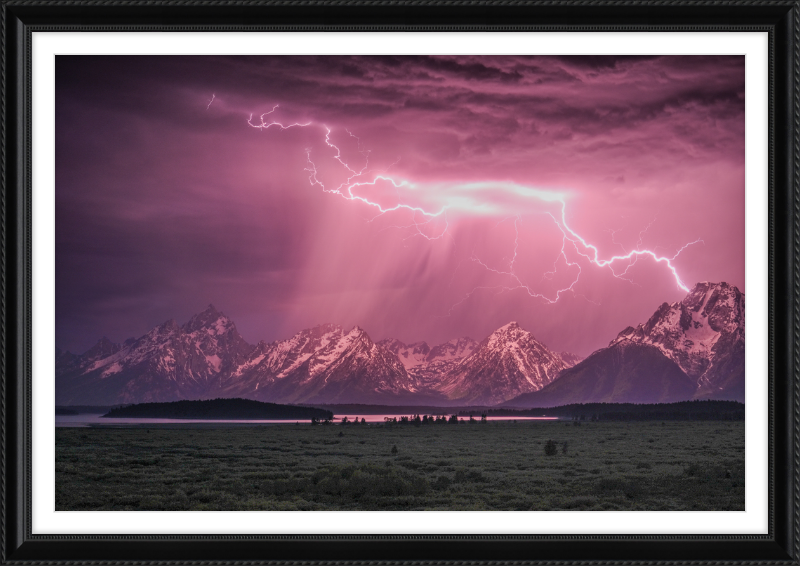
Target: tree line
[
  {"x": 705, "y": 410},
  {"x": 416, "y": 420}
]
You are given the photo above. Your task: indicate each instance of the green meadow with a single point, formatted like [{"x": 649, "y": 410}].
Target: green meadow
[{"x": 492, "y": 466}]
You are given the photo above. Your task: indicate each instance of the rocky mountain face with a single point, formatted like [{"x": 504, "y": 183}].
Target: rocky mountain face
[
  {"x": 410, "y": 355},
  {"x": 207, "y": 358},
  {"x": 569, "y": 358},
  {"x": 169, "y": 363},
  {"x": 692, "y": 349},
  {"x": 428, "y": 365},
  {"x": 625, "y": 372},
  {"x": 700, "y": 339},
  {"x": 704, "y": 335},
  {"x": 509, "y": 362},
  {"x": 324, "y": 364}
]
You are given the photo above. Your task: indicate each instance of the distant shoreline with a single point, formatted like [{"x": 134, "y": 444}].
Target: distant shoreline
[
  {"x": 247, "y": 410},
  {"x": 219, "y": 409}
]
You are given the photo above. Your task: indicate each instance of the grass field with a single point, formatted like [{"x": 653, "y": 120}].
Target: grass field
[{"x": 494, "y": 466}]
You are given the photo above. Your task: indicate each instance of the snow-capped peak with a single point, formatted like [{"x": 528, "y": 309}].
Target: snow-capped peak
[
  {"x": 509, "y": 362},
  {"x": 211, "y": 321},
  {"x": 356, "y": 331},
  {"x": 570, "y": 359},
  {"x": 509, "y": 332},
  {"x": 102, "y": 349},
  {"x": 705, "y": 325},
  {"x": 452, "y": 350},
  {"x": 410, "y": 355}
]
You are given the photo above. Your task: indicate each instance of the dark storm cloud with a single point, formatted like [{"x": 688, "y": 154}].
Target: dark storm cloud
[{"x": 165, "y": 203}]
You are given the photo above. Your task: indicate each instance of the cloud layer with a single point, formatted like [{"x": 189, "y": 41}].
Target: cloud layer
[{"x": 167, "y": 200}]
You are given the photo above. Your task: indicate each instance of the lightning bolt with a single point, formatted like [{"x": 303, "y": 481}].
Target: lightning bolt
[
  {"x": 593, "y": 254},
  {"x": 213, "y": 96},
  {"x": 423, "y": 219},
  {"x": 263, "y": 125},
  {"x": 517, "y": 282}
]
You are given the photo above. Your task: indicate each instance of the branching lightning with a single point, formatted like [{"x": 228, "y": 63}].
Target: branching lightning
[
  {"x": 263, "y": 125},
  {"x": 424, "y": 218}
]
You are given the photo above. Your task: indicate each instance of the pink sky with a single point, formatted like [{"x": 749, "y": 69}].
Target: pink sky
[{"x": 166, "y": 203}]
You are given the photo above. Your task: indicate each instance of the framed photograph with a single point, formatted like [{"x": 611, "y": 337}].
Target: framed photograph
[{"x": 401, "y": 281}]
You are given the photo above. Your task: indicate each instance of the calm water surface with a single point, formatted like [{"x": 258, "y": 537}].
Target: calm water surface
[{"x": 97, "y": 419}]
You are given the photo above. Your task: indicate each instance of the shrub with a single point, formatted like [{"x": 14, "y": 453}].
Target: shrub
[
  {"x": 550, "y": 448},
  {"x": 394, "y": 449},
  {"x": 630, "y": 489},
  {"x": 442, "y": 482}
]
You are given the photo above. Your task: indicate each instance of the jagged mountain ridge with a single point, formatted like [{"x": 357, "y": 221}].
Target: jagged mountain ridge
[
  {"x": 427, "y": 365},
  {"x": 169, "y": 363},
  {"x": 692, "y": 349},
  {"x": 322, "y": 365},
  {"x": 625, "y": 372},
  {"x": 570, "y": 358},
  {"x": 704, "y": 335},
  {"x": 207, "y": 358},
  {"x": 509, "y": 362}
]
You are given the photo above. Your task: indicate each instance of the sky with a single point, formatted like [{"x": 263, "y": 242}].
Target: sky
[{"x": 420, "y": 198}]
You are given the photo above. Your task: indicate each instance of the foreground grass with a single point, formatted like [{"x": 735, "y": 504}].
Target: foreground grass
[{"x": 494, "y": 466}]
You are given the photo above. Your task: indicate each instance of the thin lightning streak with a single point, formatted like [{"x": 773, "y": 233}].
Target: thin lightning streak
[
  {"x": 588, "y": 300},
  {"x": 503, "y": 220},
  {"x": 630, "y": 263},
  {"x": 516, "y": 244},
  {"x": 639, "y": 244},
  {"x": 642, "y": 233},
  {"x": 519, "y": 283},
  {"x": 614, "y": 241},
  {"x": 635, "y": 258},
  {"x": 586, "y": 250},
  {"x": 345, "y": 189},
  {"x": 418, "y": 226},
  {"x": 263, "y": 125},
  {"x": 213, "y": 96},
  {"x": 595, "y": 255}
]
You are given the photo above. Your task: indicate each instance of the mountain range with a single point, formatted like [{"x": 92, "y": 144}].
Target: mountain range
[{"x": 691, "y": 349}]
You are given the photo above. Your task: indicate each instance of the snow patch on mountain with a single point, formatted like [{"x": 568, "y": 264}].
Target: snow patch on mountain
[
  {"x": 509, "y": 362},
  {"x": 697, "y": 332}
]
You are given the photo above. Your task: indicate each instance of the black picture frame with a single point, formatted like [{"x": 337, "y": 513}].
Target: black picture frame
[{"x": 781, "y": 19}]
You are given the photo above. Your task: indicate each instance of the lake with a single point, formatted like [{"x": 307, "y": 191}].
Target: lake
[{"x": 84, "y": 420}]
